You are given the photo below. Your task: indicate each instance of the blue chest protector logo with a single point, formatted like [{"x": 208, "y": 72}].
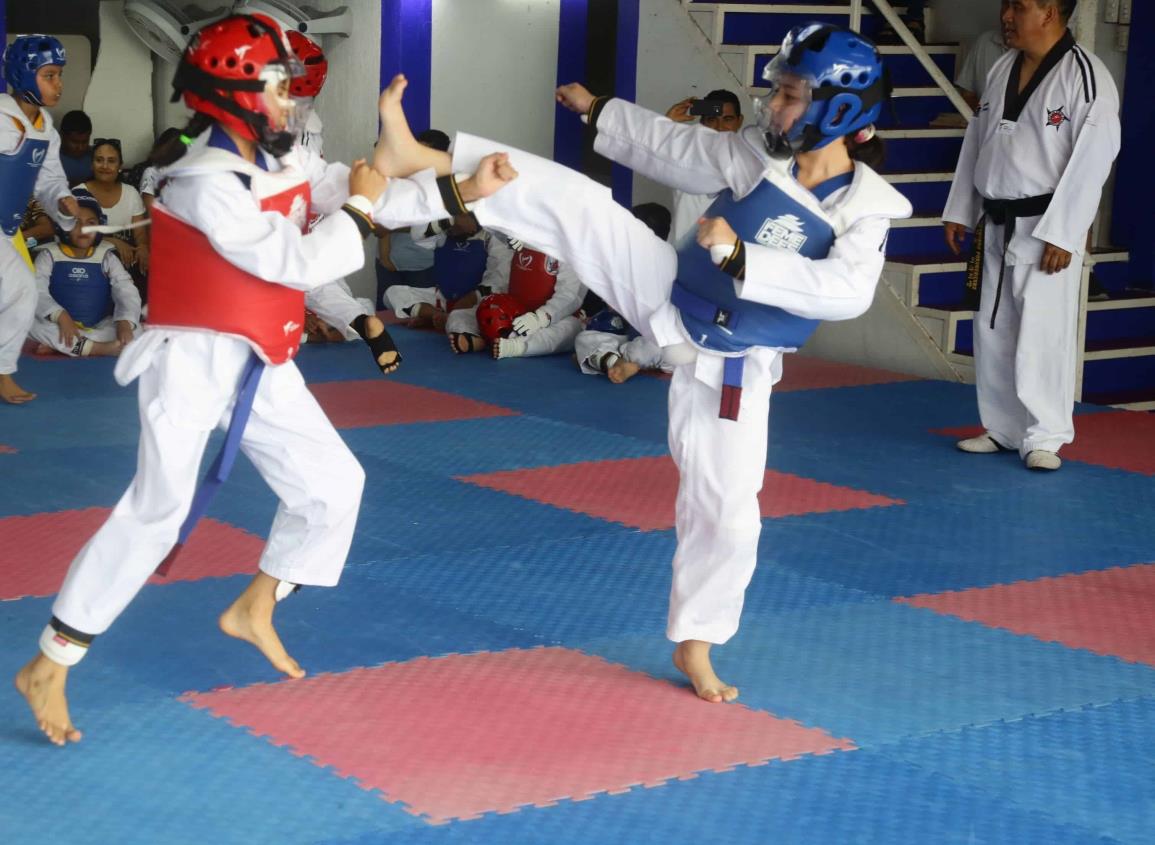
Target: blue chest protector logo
[
  {"x": 18, "y": 172},
  {"x": 705, "y": 298},
  {"x": 81, "y": 288},
  {"x": 458, "y": 267}
]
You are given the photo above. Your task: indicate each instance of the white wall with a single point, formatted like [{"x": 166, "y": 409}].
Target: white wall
[
  {"x": 675, "y": 61},
  {"x": 119, "y": 96},
  {"x": 495, "y": 68}
]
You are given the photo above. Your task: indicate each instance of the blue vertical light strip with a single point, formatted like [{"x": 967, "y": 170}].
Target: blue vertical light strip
[
  {"x": 1135, "y": 179},
  {"x": 572, "y": 33},
  {"x": 626, "y": 85},
  {"x": 407, "y": 47},
  {"x": 3, "y": 35}
]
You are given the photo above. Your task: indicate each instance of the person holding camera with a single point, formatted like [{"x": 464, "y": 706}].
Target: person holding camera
[{"x": 720, "y": 110}]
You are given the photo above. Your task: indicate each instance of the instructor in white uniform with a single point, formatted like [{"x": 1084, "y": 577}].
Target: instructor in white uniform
[{"x": 1028, "y": 181}]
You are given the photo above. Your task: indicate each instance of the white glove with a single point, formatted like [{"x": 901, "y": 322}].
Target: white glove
[{"x": 530, "y": 322}]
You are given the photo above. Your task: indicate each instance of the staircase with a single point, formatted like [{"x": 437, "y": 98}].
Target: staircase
[{"x": 1116, "y": 364}]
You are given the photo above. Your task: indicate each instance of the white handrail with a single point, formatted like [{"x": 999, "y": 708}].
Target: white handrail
[
  {"x": 856, "y": 15},
  {"x": 887, "y": 11}
]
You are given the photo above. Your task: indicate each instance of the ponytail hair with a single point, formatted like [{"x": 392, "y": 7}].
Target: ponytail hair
[
  {"x": 865, "y": 146},
  {"x": 173, "y": 149}
]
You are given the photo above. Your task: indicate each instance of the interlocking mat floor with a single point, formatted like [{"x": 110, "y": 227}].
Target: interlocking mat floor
[{"x": 936, "y": 647}]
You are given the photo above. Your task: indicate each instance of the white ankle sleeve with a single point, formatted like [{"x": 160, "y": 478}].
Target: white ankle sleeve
[
  {"x": 61, "y": 649},
  {"x": 285, "y": 589}
]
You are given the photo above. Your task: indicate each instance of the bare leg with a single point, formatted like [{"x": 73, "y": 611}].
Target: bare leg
[
  {"x": 105, "y": 348},
  {"x": 13, "y": 393},
  {"x": 398, "y": 153},
  {"x": 250, "y": 618},
  {"x": 41, "y": 682},
  {"x": 422, "y": 317},
  {"x": 692, "y": 657}
]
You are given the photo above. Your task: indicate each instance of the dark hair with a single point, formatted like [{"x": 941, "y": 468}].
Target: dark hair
[
  {"x": 163, "y": 155},
  {"x": 872, "y": 153},
  {"x": 725, "y": 96},
  {"x": 162, "y": 142},
  {"x": 656, "y": 216},
  {"x": 434, "y": 138},
  {"x": 97, "y": 143},
  {"x": 75, "y": 121},
  {"x": 1066, "y": 7}
]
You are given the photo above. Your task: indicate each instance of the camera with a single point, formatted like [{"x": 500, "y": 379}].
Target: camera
[{"x": 707, "y": 108}]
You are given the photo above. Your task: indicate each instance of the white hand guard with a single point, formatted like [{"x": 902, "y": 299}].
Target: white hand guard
[{"x": 530, "y": 322}]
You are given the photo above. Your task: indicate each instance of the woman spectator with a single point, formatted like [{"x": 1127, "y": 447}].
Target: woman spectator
[{"x": 121, "y": 203}]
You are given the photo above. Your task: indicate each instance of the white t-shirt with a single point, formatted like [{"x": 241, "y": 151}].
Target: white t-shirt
[
  {"x": 148, "y": 181},
  {"x": 128, "y": 206},
  {"x": 984, "y": 52}
]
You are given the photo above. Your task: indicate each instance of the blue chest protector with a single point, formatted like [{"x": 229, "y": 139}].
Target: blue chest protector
[
  {"x": 82, "y": 288},
  {"x": 18, "y": 172},
  {"x": 458, "y": 266},
  {"x": 705, "y": 298},
  {"x": 611, "y": 322}
]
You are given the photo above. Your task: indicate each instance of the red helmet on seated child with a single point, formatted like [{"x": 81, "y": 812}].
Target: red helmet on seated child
[
  {"x": 312, "y": 58},
  {"x": 495, "y": 315}
]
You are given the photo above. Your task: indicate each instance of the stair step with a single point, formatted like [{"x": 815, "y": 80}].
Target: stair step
[
  {"x": 905, "y": 70},
  {"x": 1136, "y": 399},
  {"x": 1130, "y": 376}
]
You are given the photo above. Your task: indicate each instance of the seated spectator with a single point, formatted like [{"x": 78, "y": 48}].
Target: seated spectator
[
  {"x": 36, "y": 227},
  {"x": 334, "y": 315},
  {"x": 399, "y": 260},
  {"x": 608, "y": 344},
  {"x": 121, "y": 204},
  {"x": 468, "y": 263},
  {"x": 147, "y": 183},
  {"x": 75, "y": 152},
  {"x": 87, "y": 303}
]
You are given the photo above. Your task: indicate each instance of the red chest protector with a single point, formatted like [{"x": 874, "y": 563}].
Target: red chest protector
[
  {"x": 532, "y": 277},
  {"x": 192, "y": 286}
]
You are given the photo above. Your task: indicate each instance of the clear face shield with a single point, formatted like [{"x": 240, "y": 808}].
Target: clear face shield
[
  {"x": 285, "y": 120},
  {"x": 781, "y": 112}
]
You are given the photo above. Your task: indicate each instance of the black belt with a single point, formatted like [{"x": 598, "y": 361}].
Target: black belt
[{"x": 1001, "y": 213}]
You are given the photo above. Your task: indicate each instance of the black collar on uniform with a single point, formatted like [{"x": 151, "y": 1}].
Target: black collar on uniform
[{"x": 1015, "y": 102}]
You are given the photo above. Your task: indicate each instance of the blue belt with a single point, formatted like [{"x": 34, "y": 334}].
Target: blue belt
[{"x": 223, "y": 465}]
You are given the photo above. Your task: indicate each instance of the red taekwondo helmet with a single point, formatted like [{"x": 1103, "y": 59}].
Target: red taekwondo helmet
[
  {"x": 234, "y": 71},
  {"x": 496, "y": 313},
  {"x": 316, "y": 66}
]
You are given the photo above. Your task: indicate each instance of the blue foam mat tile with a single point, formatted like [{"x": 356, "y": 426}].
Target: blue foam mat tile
[
  {"x": 50, "y": 480},
  {"x": 167, "y": 640},
  {"x": 879, "y": 672},
  {"x": 901, "y": 550},
  {"x": 1093, "y": 767},
  {"x": 558, "y": 590},
  {"x": 100, "y": 421},
  {"x": 466, "y": 447},
  {"x": 59, "y": 379},
  {"x": 854, "y": 798},
  {"x": 456, "y": 516},
  {"x": 160, "y": 771}
]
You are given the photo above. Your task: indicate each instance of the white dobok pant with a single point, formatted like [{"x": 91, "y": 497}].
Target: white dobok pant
[
  {"x": 48, "y": 333},
  {"x": 592, "y": 346},
  {"x": 1025, "y": 365},
  {"x": 336, "y": 305},
  {"x": 721, "y": 463},
  {"x": 18, "y": 296},
  {"x": 188, "y": 384}
]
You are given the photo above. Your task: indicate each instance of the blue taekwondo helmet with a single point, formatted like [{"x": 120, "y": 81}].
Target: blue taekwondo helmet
[
  {"x": 26, "y": 55},
  {"x": 84, "y": 199},
  {"x": 833, "y": 82}
]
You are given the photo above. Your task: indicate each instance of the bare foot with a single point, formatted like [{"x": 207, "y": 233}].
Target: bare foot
[
  {"x": 422, "y": 318},
  {"x": 692, "y": 657},
  {"x": 622, "y": 371},
  {"x": 41, "y": 683},
  {"x": 107, "y": 348},
  {"x": 13, "y": 393},
  {"x": 250, "y": 618},
  {"x": 398, "y": 153}
]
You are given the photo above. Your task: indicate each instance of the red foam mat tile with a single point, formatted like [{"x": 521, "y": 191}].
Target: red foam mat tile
[
  {"x": 38, "y": 550},
  {"x": 1108, "y": 612},
  {"x": 456, "y": 736},
  {"x": 1116, "y": 439},
  {"x": 361, "y": 404},
  {"x": 641, "y": 492},
  {"x": 801, "y": 372}
]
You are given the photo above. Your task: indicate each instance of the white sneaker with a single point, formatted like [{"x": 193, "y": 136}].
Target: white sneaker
[
  {"x": 1042, "y": 459},
  {"x": 984, "y": 444}
]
